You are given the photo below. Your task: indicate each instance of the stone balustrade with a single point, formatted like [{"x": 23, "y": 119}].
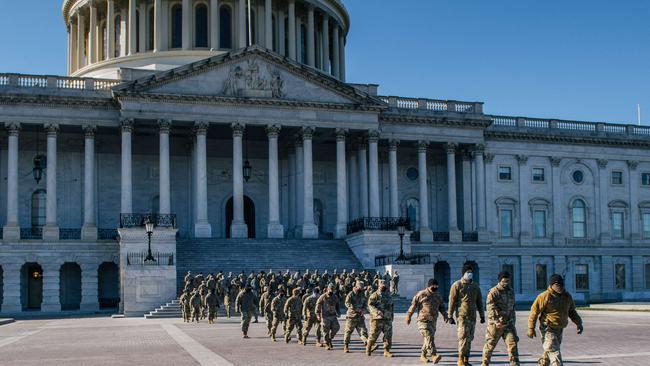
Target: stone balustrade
[
  {"x": 432, "y": 105},
  {"x": 56, "y": 82},
  {"x": 599, "y": 129}
]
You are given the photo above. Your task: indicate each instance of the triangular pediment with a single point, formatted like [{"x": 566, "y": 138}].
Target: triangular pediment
[{"x": 250, "y": 73}]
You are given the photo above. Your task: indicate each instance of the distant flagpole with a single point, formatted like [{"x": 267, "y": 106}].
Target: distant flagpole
[
  {"x": 638, "y": 114},
  {"x": 250, "y": 25}
]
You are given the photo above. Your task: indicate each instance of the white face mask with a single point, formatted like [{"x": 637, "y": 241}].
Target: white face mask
[{"x": 468, "y": 276}]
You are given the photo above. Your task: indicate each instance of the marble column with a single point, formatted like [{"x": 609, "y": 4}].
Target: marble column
[
  {"x": 214, "y": 25},
  {"x": 73, "y": 47},
  {"x": 454, "y": 234},
  {"x": 342, "y": 56},
  {"x": 281, "y": 34},
  {"x": 274, "y": 227},
  {"x": 479, "y": 164},
  {"x": 268, "y": 24},
  {"x": 89, "y": 286},
  {"x": 81, "y": 40},
  {"x": 238, "y": 228},
  {"x": 363, "y": 180},
  {"x": 392, "y": 172},
  {"x": 341, "y": 186},
  {"x": 51, "y": 287},
  {"x": 11, "y": 230},
  {"x": 326, "y": 43},
  {"x": 133, "y": 27},
  {"x": 311, "y": 50},
  {"x": 292, "y": 189},
  {"x": 142, "y": 31},
  {"x": 373, "y": 174},
  {"x": 354, "y": 185},
  {"x": 51, "y": 229},
  {"x": 336, "y": 70},
  {"x": 126, "y": 126},
  {"x": 110, "y": 28},
  {"x": 309, "y": 229},
  {"x": 11, "y": 291},
  {"x": 300, "y": 187},
  {"x": 92, "y": 34},
  {"x": 164, "y": 207},
  {"x": 241, "y": 24},
  {"x": 89, "y": 229},
  {"x": 158, "y": 22},
  {"x": 202, "y": 227},
  {"x": 426, "y": 235},
  {"x": 292, "y": 30},
  {"x": 124, "y": 39},
  {"x": 187, "y": 25}
]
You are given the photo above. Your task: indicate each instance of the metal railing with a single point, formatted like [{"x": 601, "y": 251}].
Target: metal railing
[
  {"x": 69, "y": 234},
  {"x": 32, "y": 233},
  {"x": 161, "y": 259},
  {"x": 441, "y": 236},
  {"x": 433, "y": 105},
  {"x": 56, "y": 82},
  {"x": 377, "y": 224},
  {"x": 107, "y": 234},
  {"x": 138, "y": 220},
  {"x": 470, "y": 237},
  {"x": 384, "y": 260},
  {"x": 554, "y": 125}
]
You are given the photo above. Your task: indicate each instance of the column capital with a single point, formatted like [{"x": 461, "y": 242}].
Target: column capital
[
  {"x": 13, "y": 128},
  {"x": 362, "y": 142},
  {"x": 341, "y": 134},
  {"x": 307, "y": 133},
  {"x": 238, "y": 129},
  {"x": 423, "y": 146},
  {"x": 165, "y": 125},
  {"x": 393, "y": 144},
  {"x": 522, "y": 159},
  {"x": 52, "y": 129},
  {"x": 201, "y": 128},
  {"x": 273, "y": 131},
  {"x": 478, "y": 149},
  {"x": 632, "y": 164},
  {"x": 451, "y": 147},
  {"x": 89, "y": 131},
  {"x": 126, "y": 124},
  {"x": 555, "y": 160},
  {"x": 373, "y": 136},
  {"x": 602, "y": 163},
  {"x": 489, "y": 157}
]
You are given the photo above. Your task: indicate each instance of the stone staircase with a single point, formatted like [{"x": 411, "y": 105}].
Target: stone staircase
[{"x": 170, "y": 310}]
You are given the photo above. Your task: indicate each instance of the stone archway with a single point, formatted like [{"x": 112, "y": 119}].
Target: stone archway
[
  {"x": 442, "y": 273},
  {"x": 31, "y": 286},
  {"x": 70, "y": 286},
  {"x": 249, "y": 216},
  {"x": 108, "y": 285}
]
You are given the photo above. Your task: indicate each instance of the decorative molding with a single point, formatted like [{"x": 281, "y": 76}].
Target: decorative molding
[
  {"x": 373, "y": 136},
  {"x": 522, "y": 159},
  {"x": 626, "y": 140},
  {"x": 423, "y": 146},
  {"x": 341, "y": 134},
  {"x": 13, "y": 128},
  {"x": 126, "y": 124},
  {"x": 451, "y": 147},
  {"x": 632, "y": 164},
  {"x": 393, "y": 144},
  {"x": 238, "y": 129},
  {"x": 489, "y": 157},
  {"x": 250, "y": 82},
  {"x": 555, "y": 160},
  {"x": 602, "y": 163},
  {"x": 165, "y": 125},
  {"x": 201, "y": 128},
  {"x": 273, "y": 131},
  {"x": 52, "y": 129},
  {"x": 89, "y": 131},
  {"x": 307, "y": 133}
]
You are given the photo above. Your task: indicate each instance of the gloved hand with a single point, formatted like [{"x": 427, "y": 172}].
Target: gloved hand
[
  {"x": 531, "y": 333},
  {"x": 408, "y": 320},
  {"x": 580, "y": 329},
  {"x": 482, "y": 320}
]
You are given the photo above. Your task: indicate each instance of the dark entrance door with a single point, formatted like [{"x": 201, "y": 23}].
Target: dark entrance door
[
  {"x": 32, "y": 286},
  {"x": 70, "y": 286},
  {"x": 249, "y": 216},
  {"x": 442, "y": 273}
]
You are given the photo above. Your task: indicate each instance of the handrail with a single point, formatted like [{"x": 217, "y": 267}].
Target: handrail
[
  {"x": 56, "y": 82},
  {"x": 433, "y": 105},
  {"x": 557, "y": 125}
]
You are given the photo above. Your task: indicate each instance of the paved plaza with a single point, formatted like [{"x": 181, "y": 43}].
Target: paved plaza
[{"x": 611, "y": 338}]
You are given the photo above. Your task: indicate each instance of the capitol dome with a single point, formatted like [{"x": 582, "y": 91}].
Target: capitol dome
[{"x": 156, "y": 35}]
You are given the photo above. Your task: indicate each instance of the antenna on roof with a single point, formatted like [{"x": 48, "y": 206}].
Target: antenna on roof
[{"x": 638, "y": 114}]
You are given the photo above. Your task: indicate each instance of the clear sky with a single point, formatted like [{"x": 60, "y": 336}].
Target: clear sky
[{"x": 578, "y": 59}]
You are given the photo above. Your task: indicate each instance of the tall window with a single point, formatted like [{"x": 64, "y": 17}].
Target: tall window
[
  {"x": 646, "y": 224},
  {"x": 579, "y": 218},
  {"x": 582, "y": 277},
  {"x": 118, "y": 36},
  {"x": 506, "y": 223},
  {"x": 540, "y": 276},
  {"x": 617, "y": 225},
  {"x": 201, "y": 26},
  {"x": 38, "y": 209},
  {"x": 645, "y": 179},
  {"x": 505, "y": 173},
  {"x": 538, "y": 175},
  {"x": 150, "y": 30},
  {"x": 539, "y": 219},
  {"x": 413, "y": 213},
  {"x": 617, "y": 177},
  {"x": 619, "y": 276},
  {"x": 225, "y": 27},
  {"x": 177, "y": 26}
]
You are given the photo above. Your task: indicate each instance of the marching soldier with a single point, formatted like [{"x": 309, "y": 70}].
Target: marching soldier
[
  {"x": 228, "y": 296},
  {"x": 212, "y": 303},
  {"x": 465, "y": 300},
  {"x": 380, "y": 305},
  {"x": 195, "y": 302},
  {"x": 265, "y": 308},
  {"x": 186, "y": 308},
  {"x": 277, "y": 308},
  {"x": 394, "y": 283},
  {"x": 310, "y": 316},
  {"x": 327, "y": 309},
  {"x": 501, "y": 320},
  {"x": 356, "y": 303},
  {"x": 554, "y": 307},
  {"x": 245, "y": 304},
  {"x": 293, "y": 310},
  {"x": 428, "y": 303}
]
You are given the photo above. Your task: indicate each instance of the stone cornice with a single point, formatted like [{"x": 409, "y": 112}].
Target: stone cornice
[
  {"x": 445, "y": 121},
  {"x": 572, "y": 139},
  {"x": 58, "y": 101}
]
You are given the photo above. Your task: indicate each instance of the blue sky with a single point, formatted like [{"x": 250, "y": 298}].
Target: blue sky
[{"x": 579, "y": 59}]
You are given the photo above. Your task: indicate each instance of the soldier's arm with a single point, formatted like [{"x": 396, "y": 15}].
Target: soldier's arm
[
  {"x": 348, "y": 301},
  {"x": 452, "y": 301},
  {"x": 287, "y": 306},
  {"x": 535, "y": 310},
  {"x": 319, "y": 306},
  {"x": 413, "y": 308},
  {"x": 573, "y": 313},
  {"x": 304, "y": 308},
  {"x": 441, "y": 309},
  {"x": 261, "y": 305},
  {"x": 492, "y": 308},
  {"x": 479, "y": 304}
]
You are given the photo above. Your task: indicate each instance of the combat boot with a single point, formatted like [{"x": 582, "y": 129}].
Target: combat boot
[
  {"x": 436, "y": 358},
  {"x": 461, "y": 360},
  {"x": 387, "y": 353},
  {"x": 245, "y": 336},
  {"x": 273, "y": 338},
  {"x": 466, "y": 361},
  {"x": 287, "y": 339},
  {"x": 329, "y": 346},
  {"x": 424, "y": 358},
  {"x": 369, "y": 348},
  {"x": 346, "y": 348}
]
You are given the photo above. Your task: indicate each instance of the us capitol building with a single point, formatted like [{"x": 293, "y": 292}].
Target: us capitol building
[{"x": 167, "y": 116}]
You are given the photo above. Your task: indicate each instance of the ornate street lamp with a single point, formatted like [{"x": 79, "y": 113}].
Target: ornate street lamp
[
  {"x": 401, "y": 230},
  {"x": 38, "y": 166},
  {"x": 148, "y": 226}
]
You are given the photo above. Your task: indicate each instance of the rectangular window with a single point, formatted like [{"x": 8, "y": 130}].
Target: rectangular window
[
  {"x": 617, "y": 225},
  {"x": 539, "y": 218},
  {"x": 538, "y": 175},
  {"x": 511, "y": 269},
  {"x": 582, "y": 277},
  {"x": 506, "y": 223},
  {"x": 645, "y": 179},
  {"x": 617, "y": 177},
  {"x": 505, "y": 173},
  {"x": 619, "y": 272},
  {"x": 541, "y": 276},
  {"x": 647, "y": 276},
  {"x": 646, "y": 225}
]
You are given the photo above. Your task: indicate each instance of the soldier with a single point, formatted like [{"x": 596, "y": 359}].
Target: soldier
[
  {"x": 293, "y": 310},
  {"x": 245, "y": 304},
  {"x": 265, "y": 308},
  {"x": 394, "y": 283},
  {"x": 195, "y": 303},
  {"x": 189, "y": 280},
  {"x": 465, "y": 300},
  {"x": 211, "y": 301},
  {"x": 501, "y": 320},
  {"x": 554, "y": 307},
  {"x": 327, "y": 310},
  {"x": 310, "y": 316},
  {"x": 227, "y": 299},
  {"x": 380, "y": 305},
  {"x": 428, "y": 303},
  {"x": 185, "y": 306},
  {"x": 356, "y": 303},
  {"x": 277, "y": 308}
]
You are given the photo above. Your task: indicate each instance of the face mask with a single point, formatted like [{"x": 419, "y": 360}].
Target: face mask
[
  {"x": 383, "y": 289},
  {"x": 468, "y": 276},
  {"x": 435, "y": 288}
]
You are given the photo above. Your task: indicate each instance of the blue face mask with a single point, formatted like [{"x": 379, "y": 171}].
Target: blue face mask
[{"x": 468, "y": 276}]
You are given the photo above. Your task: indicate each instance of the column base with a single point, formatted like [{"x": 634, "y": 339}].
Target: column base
[
  {"x": 6, "y": 309},
  {"x": 239, "y": 231},
  {"x": 483, "y": 236},
  {"x": 203, "y": 230},
  {"x": 89, "y": 307},
  {"x": 51, "y": 233},
  {"x": 89, "y": 233},
  {"x": 455, "y": 236},
  {"x": 11, "y": 232},
  {"x": 275, "y": 231},
  {"x": 341, "y": 231},
  {"x": 51, "y": 308},
  {"x": 426, "y": 235},
  {"x": 309, "y": 231}
]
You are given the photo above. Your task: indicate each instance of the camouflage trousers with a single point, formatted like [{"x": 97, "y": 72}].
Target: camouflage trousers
[
  {"x": 187, "y": 313},
  {"x": 378, "y": 326},
  {"x": 274, "y": 325},
  {"x": 352, "y": 324},
  {"x": 268, "y": 316},
  {"x": 212, "y": 313},
  {"x": 466, "y": 327},
  {"x": 245, "y": 321},
  {"x": 196, "y": 314},
  {"x": 551, "y": 341},
  {"x": 309, "y": 323},
  {"x": 289, "y": 325},
  {"x": 492, "y": 337},
  {"x": 226, "y": 303},
  {"x": 329, "y": 326},
  {"x": 428, "y": 332}
]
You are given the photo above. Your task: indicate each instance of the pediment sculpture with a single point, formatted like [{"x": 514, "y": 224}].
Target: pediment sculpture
[{"x": 252, "y": 81}]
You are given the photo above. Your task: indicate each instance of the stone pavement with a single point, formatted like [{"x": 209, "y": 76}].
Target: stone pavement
[{"x": 611, "y": 338}]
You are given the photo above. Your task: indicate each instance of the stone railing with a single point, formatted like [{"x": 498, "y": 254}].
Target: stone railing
[
  {"x": 384, "y": 260},
  {"x": 554, "y": 125},
  {"x": 56, "y": 82},
  {"x": 432, "y": 105},
  {"x": 139, "y": 259},
  {"x": 377, "y": 224},
  {"x": 130, "y": 220}
]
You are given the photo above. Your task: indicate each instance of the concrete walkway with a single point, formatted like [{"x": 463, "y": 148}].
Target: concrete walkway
[{"x": 622, "y": 306}]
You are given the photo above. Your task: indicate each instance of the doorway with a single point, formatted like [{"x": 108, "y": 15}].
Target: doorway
[
  {"x": 108, "y": 283},
  {"x": 31, "y": 286},
  {"x": 249, "y": 216},
  {"x": 70, "y": 286},
  {"x": 442, "y": 273}
]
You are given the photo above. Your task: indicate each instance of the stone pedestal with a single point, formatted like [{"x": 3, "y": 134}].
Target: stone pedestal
[
  {"x": 309, "y": 231},
  {"x": 11, "y": 233},
  {"x": 89, "y": 286},
  {"x": 367, "y": 245},
  {"x": 275, "y": 231},
  {"x": 426, "y": 235},
  {"x": 238, "y": 231},
  {"x": 50, "y": 233},
  {"x": 455, "y": 236},
  {"x": 89, "y": 233},
  {"x": 341, "y": 231},
  {"x": 202, "y": 230},
  {"x": 51, "y": 287}
]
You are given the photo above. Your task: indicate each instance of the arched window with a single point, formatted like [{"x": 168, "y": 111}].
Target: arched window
[
  {"x": 413, "y": 213},
  {"x": 579, "y": 218},
  {"x": 118, "y": 36},
  {"x": 225, "y": 27},
  {"x": 177, "y": 26},
  {"x": 150, "y": 30},
  {"x": 38, "y": 209},
  {"x": 201, "y": 26}
]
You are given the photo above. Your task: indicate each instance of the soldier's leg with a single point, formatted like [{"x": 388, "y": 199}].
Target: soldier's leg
[
  {"x": 334, "y": 328},
  {"x": 299, "y": 330},
  {"x": 552, "y": 341},
  {"x": 372, "y": 337},
  {"x": 305, "y": 333},
  {"x": 347, "y": 332},
  {"x": 288, "y": 329},
  {"x": 426, "y": 337},
  {"x": 462, "y": 337},
  {"x": 492, "y": 336},
  {"x": 361, "y": 329},
  {"x": 325, "y": 326},
  {"x": 246, "y": 321},
  {"x": 319, "y": 332},
  {"x": 274, "y": 328},
  {"x": 388, "y": 334},
  {"x": 511, "y": 339},
  {"x": 269, "y": 322}
]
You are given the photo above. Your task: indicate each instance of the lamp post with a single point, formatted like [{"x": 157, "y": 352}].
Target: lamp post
[
  {"x": 148, "y": 226},
  {"x": 401, "y": 230}
]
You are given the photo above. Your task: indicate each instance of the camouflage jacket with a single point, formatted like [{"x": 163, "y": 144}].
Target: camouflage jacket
[
  {"x": 327, "y": 306},
  {"x": 428, "y": 304},
  {"x": 380, "y": 305},
  {"x": 553, "y": 310},
  {"x": 293, "y": 308},
  {"x": 501, "y": 305},
  {"x": 211, "y": 300},
  {"x": 356, "y": 304},
  {"x": 277, "y": 307},
  {"x": 465, "y": 299},
  {"x": 195, "y": 301},
  {"x": 245, "y": 302},
  {"x": 265, "y": 302},
  {"x": 309, "y": 307}
]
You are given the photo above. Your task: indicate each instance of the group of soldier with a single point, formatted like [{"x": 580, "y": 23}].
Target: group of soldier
[{"x": 310, "y": 300}]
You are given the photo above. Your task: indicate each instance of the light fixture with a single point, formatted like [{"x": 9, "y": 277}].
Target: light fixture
[
  {"x": 401, "y": 259},
  {"x": 247, "y": 168},
  {"x": 39, "y": 162},
  {"x": 148, "y": 226}
]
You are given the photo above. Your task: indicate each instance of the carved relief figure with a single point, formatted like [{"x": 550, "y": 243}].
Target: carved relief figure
[{"x": 251, "y": 81}]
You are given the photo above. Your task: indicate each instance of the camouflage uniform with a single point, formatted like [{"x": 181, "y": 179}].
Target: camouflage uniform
[
  {"x": 501, "y": 310},
  {"x": 245, "y": 304},
  {"x": 228, "y": 296},
  {"x": 465, "y": 299},
  {"x": 428, "y": 304},
  {"x": 327, "y": 309},
  {"x": 293, "y": 310},
  {"x": 380, "y": 305},
  {"x": 265, "y": 308},
  {"x": 311, "y": 318},
  {"x": 212, "y": 302},
  {"x": 277, "y": 308},
  {"x": 355, "y": 319},
  {"x": 186, "y": 308},
  {"x": 195, "y": 303}
]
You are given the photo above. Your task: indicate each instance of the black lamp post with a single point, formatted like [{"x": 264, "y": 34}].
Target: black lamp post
[
  {"x": 247, "y": 170},
  {"x": 401, "y": 230},
  {"x": 148, "y": 226}
]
